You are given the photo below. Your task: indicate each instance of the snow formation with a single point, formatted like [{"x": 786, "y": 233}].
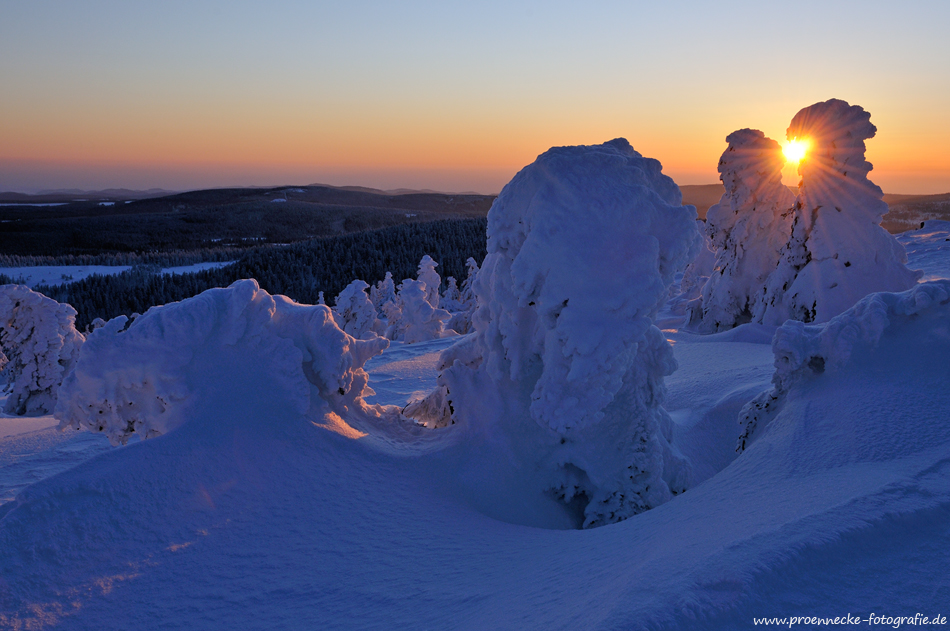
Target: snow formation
[
  {"x": 355, "y": 311},
  {"x": 38, "y": 336},
  {"x": 412, "y": 318},
  {"x": 837, "y": 252},
  {"x": 431, "y": 279},
  {"x": 143, "y": 380},
  {"x": 582, "y": 248},
  {"x": 805, "y": 350},
  {"x": 747, "y": 229}
]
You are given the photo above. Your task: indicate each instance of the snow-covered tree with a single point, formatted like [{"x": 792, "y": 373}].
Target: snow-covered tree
[
  {"x": 39, "y": 338},
  {"x": 451, "y": 298},
  {"x": 354, "y": 310},
  {"x": 747, "y": 230},
  {"x": 411, "y": 318},
  {"x": 382, "y": 292},
  {"x": 837, "y": 252},
  {"x": 566, "y": 363},
  {"x": 431, "y": 279},
  {"x": 468, "y": 292}
]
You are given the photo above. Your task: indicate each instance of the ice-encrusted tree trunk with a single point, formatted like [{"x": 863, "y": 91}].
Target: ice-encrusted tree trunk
[
  {"x": 431, "y": 279},
  {"x": 747, "y": 230},
  {"x": 38, "y": 336},
  {"x": 837, "y": 252},
  {"x": 354, "y": 311},
  {"x": 583, "y": 245}
]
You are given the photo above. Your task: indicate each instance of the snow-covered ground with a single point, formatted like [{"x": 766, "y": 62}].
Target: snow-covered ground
[
  {"x": 53, "y": 275},
  {"x": 248, "y": 516}
]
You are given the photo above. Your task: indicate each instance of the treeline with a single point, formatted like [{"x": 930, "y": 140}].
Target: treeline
[
  {"x": 174, "y": 258},
  {"x": 300, "y": 271}
]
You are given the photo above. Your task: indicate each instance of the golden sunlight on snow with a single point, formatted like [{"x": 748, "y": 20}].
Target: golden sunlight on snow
[{"x": 334, "y": 423}]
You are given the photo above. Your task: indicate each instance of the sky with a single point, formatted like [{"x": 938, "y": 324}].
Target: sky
[{"x": 451, "y": 96}]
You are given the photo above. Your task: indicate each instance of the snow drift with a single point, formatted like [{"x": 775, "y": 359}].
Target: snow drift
[
  {"x": 582, "y": 248},
  {"x": 144, "y": 379},
  {"x": 804, "y": 350}
]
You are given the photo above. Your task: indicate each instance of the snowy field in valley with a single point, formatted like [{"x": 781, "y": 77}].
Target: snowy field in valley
[
  {"x": 631, "y": 433},
  {"x": 52, "y": 275}
]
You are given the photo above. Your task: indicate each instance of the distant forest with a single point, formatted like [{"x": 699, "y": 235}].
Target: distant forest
[
  {"x": 213, "y": 219},
  {"x": 299, "y": 271}
]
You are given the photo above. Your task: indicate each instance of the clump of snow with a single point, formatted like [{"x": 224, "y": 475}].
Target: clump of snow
[
  {"x": 356, "y": 314},
  {"x": 837, "y": 252},
  {"x": 412, "y": 318},
  {"x": 142, "y": 380},
  {"x": 38, "y": 336},
  {"x": 802, "y": 350},
  {"x": 431, "y": 279},
  {"x": 583, "y": 245},
  {"x": 747, "y": 230}
]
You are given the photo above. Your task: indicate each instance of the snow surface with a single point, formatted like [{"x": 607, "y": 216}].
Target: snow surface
[{"x": 253, "y": 514}]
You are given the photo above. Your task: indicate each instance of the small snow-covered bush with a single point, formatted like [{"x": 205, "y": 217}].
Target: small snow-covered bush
[
  {"x": 803, "y": 350},
  {"x": 39, "y": 338},
  {"x": 747, "y": 230},
  {"x": 837, "y": 251},
  {"x": 412, "y": 318},
  {"x": 143, "y": 380},
  {"x": 583, "y": 245},
  {"x": 356, "y": 313}
]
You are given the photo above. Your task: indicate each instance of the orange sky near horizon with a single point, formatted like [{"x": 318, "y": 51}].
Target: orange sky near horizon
[{"x": 108, "y": 109}]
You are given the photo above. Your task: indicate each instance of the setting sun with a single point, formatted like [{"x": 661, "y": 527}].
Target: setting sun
[{"x": 795, "y": 150}]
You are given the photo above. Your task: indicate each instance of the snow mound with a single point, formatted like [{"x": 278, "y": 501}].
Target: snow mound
[
  {"x": 837, "y": 253},
  {"x": 583, "y": 245},
  {"x": 747, "y": 229},
  {"x": 143, "y": 380},
  {"x": 802, "y": 350},
  {"x": 38, "y": 344}
]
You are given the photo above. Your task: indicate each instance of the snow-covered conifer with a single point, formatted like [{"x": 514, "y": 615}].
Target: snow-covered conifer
[
  {"x": 354, "y": 311},
  {"x": 412, "y": 318},
  {"x": 382, "y": 292},
  {"x": 747, "y": 230},
  {"x": 39, "y": 337},
  {"x": 837, "y": 253},
  {"x": 583, "y": 245},
  {"x": 431, "y": 279},
  {"x": 467, "y": 292},
  {"x": 451, "y": 298}
]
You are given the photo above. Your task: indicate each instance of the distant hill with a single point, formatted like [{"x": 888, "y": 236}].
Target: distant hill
[{"x": 95, "y": 224}]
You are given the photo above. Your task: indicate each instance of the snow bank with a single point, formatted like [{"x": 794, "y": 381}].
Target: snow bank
[
  {"x": 142, "y": 380},
  {"x": 39, "y": 338},
  {"x": 804, "y": 350},
  {"x": 837, "y": 253},
  {"x": 747, "y": 229},
  {"x": 583, "y": 245}
]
